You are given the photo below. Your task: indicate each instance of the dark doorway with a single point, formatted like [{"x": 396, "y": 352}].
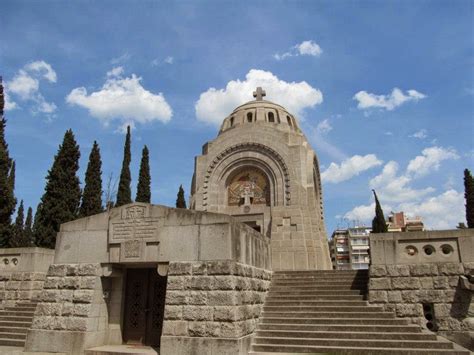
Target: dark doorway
[
  {"x": 254, "y": 225},
  {"x": 144, "y": 307}
]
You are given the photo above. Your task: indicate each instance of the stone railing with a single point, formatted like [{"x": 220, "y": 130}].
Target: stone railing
[{"x": 422, "y": 276}]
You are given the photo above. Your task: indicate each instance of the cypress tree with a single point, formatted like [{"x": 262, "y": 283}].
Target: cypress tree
[
  {"x": 7, "y": 180},
  {"x": 60, "y": 201},
  {"x": 180, "y": 200},
  {"x": 124, "y": 194},
  {"x": 469, "y": 196},
  {"x": 378, "y": 223},
  {"x": 18, "y": 236},
  {"x": 29, "y": 226},
  {"x": 144, "y": 179},
  {"x": 92, "y": 194}
]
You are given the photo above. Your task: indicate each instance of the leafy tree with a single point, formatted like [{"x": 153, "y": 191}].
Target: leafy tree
[
  {"x": 7, "y": 180},
  {"x": 124, "y": 194},
  {"x": 29, "y": 226},
  {"x": 60, "y": 201},
  {"x": 92, "y": 194},
  {"x": 144, "y": 178},
  {"x": 180, "y": 200},
  {"x": 378, "y": 223},
  {"x": 469, "y": 196},
  {"x": 18, "y": 238}
]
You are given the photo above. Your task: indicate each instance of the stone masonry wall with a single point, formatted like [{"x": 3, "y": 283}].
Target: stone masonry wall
[
  {"x": 219, "y": 299},
  {"x": 20, "y": 286},
  {"x": 404, "y": 289}
]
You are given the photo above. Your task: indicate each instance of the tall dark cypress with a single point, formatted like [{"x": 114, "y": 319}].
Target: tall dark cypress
[
  {"x": 60, "y": 201},
  {"x": 378, "y": 223},
  {"x": 29, "y": 226},
  {"x": 180, "y": 200},
  {"x": 18, "y": 238},
  {"x": 7, "y": 180},
  {"x": 92, "y": 194},
  {"x": 124, "y": 193},
  {"x": 469, "y": 196},
  {"x": 144, "y": 178}
]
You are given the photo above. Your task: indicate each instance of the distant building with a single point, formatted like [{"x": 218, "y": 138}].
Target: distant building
[
  {"x": 398, "y": 222},
  {"x": 349, "y": 248}
]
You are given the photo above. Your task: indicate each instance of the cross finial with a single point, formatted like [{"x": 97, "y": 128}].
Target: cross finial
[{"x": 259, "y": 94}]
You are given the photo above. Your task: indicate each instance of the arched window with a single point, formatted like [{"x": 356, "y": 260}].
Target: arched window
[
  {"x": 289, "y": 121},
  {"x": 232, "y": 121},
  {"x": 271, "y": 117},
  {"x": 249, "y": 117}
]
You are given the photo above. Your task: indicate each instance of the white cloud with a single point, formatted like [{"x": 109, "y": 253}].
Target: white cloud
[
  {"x": 122, "y": 99},
  {"x": 25, "y": 86},
  {"x": 9, "y": 104},
  {"x": 157, "y": 61},
  {"x": 310, "y": 48},
  {"x": 388, "y": 102},
  {"x": 121, "y": 59},
  {"x": 169, "y": 60},
  {"x": 349, "y": 168},
  {"x": 43, "y": 68},
  {"x": 324, "y": 126},
  {"x": 430, "y": 160},
  {"x": 421, "y": 134},
  {"x": 215, "y": 104}
]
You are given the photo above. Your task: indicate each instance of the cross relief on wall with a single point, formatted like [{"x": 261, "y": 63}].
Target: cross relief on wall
[{"x": 286, "y": 227}]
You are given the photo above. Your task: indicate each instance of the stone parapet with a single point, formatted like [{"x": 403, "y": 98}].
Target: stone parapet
[{"x": 212, "y": 303}]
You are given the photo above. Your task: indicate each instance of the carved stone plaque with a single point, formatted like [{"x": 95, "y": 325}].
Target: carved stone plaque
[
  {"x": 132, "y": 249},
  {"x": 134, "y": 223}
]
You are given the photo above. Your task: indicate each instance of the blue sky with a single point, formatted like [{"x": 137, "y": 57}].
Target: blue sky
[{"x": 384, "y": 91}]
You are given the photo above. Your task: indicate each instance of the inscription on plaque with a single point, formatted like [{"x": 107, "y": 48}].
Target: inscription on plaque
[
  {"x": 134, "y": 224},
  {"x": 132, "y": 249}
]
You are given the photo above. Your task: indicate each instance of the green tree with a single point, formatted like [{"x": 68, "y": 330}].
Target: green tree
[
  {"x": 7, "y": 180},
  {"x": 18, "y": 238},
  {"x": 92, "y": 194},
  {"x": 124, "y": 194},
  {"x": 144, "y": 179},
  {"x": 60, "y": 201},
  {"x": 469, "y": 196},
  {"x": 378, "y": 223},
  {"x": 29, "y": 226},
  {"x": 180, "y": 200}
]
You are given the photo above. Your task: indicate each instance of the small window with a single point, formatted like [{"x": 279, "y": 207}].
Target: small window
[
  {"x": 271, "y": 117},
  {"x": 249, "y": 117},
  {"x": 232, "y": 121},
  {"x": 289, "y": 120}
]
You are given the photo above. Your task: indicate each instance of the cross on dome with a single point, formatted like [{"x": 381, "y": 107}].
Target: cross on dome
[{"x": 259, "y": 94}]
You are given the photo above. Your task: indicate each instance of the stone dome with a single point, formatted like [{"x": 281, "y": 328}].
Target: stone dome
[{"x": 259, "y": 112}]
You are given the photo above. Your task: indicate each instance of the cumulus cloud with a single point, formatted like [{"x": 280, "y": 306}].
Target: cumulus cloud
[
  {"x": 388, "y": 102},
  {"x": 421, "y": 134},
  {"x": 309, "y": 48},
  {"x": 395, "y": 192},
  {"x": 9, "y": 103},
  {"x": 349, "y": 168},
  {"x": 25, "y": 86},
  {"x": 123, "y": 99},
  {"x": 430, "y": 160},
  {"x": 324, "y": 127},
  {"x": 215, "y": 104}
]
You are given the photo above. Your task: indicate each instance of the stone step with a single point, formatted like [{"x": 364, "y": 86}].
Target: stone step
[
  {"x": 364, "y": 309},
  {"x": 321, "y": 272},
  {"x": 16, "y": 318},
  {"x": 299, "y": 288},
  {"x": 268, "y": 349},
  {"x": 345, "y": 335},
  {"x": 21, "y": 308},
  {"x": 17, "y": 313},
  {"x": 315, "y": 297},
  {"x": 336, "y": 303},
  {"x": 11, "y": 335},
  {"x": 7, "y": 329},
  {"x": 290, "y": 314},
  {"x": 12, "y": 342},
  {"x": 393, "y": 328},
  {"x": 321, "y": 278},
  {"x": 15, "y": 324},
  {"x": 318, "y": 292},
  {"x": 345, "y": 321},
  {"x": 373, "y": 343}
]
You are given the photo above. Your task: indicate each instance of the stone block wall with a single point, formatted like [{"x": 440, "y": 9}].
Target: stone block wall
[
  {"x": 212, "y": 307},
  {"x": 71, "y": 314},
  {"x": 404, "y": 289}
]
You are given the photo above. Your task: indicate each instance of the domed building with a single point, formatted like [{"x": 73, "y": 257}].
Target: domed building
[{"x": 262, "y": 170}]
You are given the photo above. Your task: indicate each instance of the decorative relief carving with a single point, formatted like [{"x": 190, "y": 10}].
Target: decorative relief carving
[
  {"x": 132, "y": 249},
  {"x": 135, "y": 223}
]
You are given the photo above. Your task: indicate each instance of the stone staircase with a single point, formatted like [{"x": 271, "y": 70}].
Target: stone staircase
[
  {"x": 325, "y": 312},
  {"x": 15, "y": 322}
]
